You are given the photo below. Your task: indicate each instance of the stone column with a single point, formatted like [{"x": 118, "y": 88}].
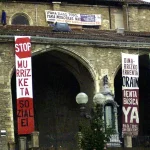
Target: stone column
[
  {"x": 128, "y": 141},
  {"x": 22, "y": 143},
  {"x": 11, "y": 145},
  {"x": 125, "y": 16},
  {"x": 133, "y": 18},
  {"x": 4, "y": 143},
  {"x": 56, "y": 6},
  {"x": 116, "y": 118},
  {"x": 35, "y": 139}
]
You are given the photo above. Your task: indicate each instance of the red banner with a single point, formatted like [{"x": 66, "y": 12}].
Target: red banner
[
  {"x": 25, "y": 112},
  {"x": 130, "y": 111},
  {"x": 130, "y": 95}
]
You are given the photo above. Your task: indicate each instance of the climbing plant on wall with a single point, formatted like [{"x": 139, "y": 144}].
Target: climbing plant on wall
[{"x": 95, "y": 135}]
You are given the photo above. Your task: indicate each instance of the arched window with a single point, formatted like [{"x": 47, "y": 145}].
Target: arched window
[{"x": 20, "y": 19}]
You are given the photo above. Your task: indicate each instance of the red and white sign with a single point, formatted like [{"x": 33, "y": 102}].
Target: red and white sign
[
  {"x": 25, "y": 112},
  {"x": 130, "y": 94}
]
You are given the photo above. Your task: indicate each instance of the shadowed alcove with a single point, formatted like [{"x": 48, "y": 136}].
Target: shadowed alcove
[{"x": 57, "y": 79}]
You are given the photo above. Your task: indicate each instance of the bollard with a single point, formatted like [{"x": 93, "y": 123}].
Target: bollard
[
  {"x": 11, "y": 145},
  {"x": 128, "y": 141},
  {"x": 35, "y": 139},
  {"x": 22, "y": 143}
]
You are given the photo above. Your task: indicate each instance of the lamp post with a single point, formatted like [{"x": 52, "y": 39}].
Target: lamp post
[
  {"x": 82, "y": 100},
  {"x": 104, "y": 100}
]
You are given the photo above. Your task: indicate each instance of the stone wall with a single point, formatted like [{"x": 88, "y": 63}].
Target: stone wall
[
  {"x": 100, "y": 61},
  {"x": 30, "y": 9},
  {"x": 134, "y": 17},
  {"x": 103, "y": 10},
  {"x": 144, "y": 20},
  {"x": 6, "y": 116},
  {"x": 36, "y": 12},
  {"x": 138, "y": 19}
]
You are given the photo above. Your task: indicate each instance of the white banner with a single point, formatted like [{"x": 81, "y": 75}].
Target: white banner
[
  {"x": 130, "y": 71},
  {"x": 130, "y": 94},
  {"x": 73, "y": 18},
  {"x": 130, "y": 65},
  {"x": 23, "y": 67}
]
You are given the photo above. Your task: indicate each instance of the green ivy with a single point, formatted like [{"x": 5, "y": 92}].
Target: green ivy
[{"x": 94, "y": 136}]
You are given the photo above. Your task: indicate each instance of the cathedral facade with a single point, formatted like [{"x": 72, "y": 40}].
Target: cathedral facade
[{"x": 66, "y": 63}]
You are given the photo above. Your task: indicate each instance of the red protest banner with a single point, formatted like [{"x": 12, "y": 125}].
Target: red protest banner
[
  {"x": 130, "y": 118},
  {"x": 25, "y": 115},
  {"x": 25, "y": 112}
]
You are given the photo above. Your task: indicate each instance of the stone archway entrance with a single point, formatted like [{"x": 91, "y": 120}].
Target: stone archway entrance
[
  {"x": 57, "y": 79},
  {"x": 144, "y": 96}
]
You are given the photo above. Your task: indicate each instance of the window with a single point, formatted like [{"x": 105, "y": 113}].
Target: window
[
  {"x": 119, "y": 21},
  {"x": 20, "y": 19}
]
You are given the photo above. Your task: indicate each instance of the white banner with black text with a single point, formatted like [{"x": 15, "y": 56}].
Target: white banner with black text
[{"x": 130, "y": 94}]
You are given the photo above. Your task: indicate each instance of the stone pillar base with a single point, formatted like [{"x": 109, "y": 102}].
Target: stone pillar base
[
  {"x": 128, "y": 141},
  {"x": 22, "y": 143},
  {"x": 11, "y": 145},
  {"x": 35, "y": 139},
  {"x": 4, "y": 142}
]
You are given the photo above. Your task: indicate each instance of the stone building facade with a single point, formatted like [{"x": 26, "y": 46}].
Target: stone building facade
[
  {"x": 131, "y": 16},
  {"x": 88, "y": 54}
]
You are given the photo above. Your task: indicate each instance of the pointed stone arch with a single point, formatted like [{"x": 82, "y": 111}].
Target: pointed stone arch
[
  {"x": 72, "y": 53},
  {"x": 75, "y": 55}
]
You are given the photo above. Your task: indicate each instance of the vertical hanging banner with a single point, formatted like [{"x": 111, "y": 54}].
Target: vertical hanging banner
[
  {"x": 25, "y": 112},
  {"x": 130, "y": 94}
]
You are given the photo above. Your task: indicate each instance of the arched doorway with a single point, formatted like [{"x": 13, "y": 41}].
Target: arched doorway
[
  {"x": 144, "y": 96},
  {"x": 57, "y": 79}
]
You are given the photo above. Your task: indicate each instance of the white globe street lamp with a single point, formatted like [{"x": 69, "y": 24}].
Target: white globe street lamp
[
  {"x": 98, "y": 99},
  {"x": 81, "y": 98}
]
